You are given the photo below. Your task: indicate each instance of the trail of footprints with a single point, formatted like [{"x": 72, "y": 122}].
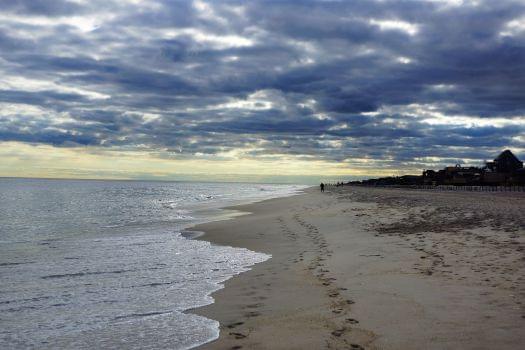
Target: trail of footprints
[
  {"x": 340, "y": 306},
  {"x": 250, "y": 311},
  {"x": 313, "y": 258}
]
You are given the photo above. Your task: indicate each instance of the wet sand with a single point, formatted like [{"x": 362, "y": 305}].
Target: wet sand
[{"x": 356, "y": 268}]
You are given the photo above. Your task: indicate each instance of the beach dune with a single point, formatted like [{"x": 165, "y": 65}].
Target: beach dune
[{"x": 369, "y": 268}]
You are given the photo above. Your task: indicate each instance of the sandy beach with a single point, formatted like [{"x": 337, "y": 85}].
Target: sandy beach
[{"x": 369, "y": 268}]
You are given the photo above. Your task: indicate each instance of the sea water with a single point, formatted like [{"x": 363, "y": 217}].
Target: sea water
[{"x": 104, "y": 264}]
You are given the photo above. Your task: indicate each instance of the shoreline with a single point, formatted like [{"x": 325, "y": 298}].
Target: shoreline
[
  {"x": 347, "y": 272},
  {"x": 320, "y": 312},
  {"x": 227, "y": 213}
]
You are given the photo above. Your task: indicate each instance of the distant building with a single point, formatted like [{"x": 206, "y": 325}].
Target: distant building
[
  {"x": 506, "y": 162},
  {"x": 506, "y": 169},
  {"x": 453, "y": 175}
]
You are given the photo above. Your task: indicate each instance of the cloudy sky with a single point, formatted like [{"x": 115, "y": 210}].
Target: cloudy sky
[{"x": 258, "y": 90}]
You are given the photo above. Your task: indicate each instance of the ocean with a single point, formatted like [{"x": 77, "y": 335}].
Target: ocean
[{"x": 108, "y": 264}]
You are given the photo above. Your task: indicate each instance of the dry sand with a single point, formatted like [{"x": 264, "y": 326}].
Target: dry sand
[{"x": 357, "y": 268}]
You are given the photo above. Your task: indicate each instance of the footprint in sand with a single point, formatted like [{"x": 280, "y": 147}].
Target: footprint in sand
[
  {"x": 252, "y": 314},
  {"x": 338, "y": 332},
  {"x": 352, "y": 321},
  {"x": 238, "y": 335},
  {"x": 254, "y": 306},
  {"x": 235, "y": 324}
]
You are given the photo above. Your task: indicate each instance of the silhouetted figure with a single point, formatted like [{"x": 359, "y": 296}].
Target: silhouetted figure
[{"x": 322, "y": 187}]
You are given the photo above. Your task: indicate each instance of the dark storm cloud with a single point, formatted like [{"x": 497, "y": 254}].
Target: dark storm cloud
[{"x": 396, "y": 80}]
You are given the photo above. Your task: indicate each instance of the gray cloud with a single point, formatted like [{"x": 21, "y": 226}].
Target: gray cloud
[
  {"x": 396, "y": 80},
  {"x": 41, "y": 7}
]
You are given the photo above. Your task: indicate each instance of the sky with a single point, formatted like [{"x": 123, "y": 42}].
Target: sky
[{"x": 280, "y": 91}]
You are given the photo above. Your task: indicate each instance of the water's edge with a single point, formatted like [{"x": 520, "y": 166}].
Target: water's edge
[
  {"x": 86, "y": 264},
  {"x": 190, "y": 233}
]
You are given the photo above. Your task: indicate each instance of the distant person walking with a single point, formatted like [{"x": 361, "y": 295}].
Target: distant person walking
[{"x": 322, "y": 187}]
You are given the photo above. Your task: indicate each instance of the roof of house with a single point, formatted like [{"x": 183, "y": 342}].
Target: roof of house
[{"x": 507, "y": 155}]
